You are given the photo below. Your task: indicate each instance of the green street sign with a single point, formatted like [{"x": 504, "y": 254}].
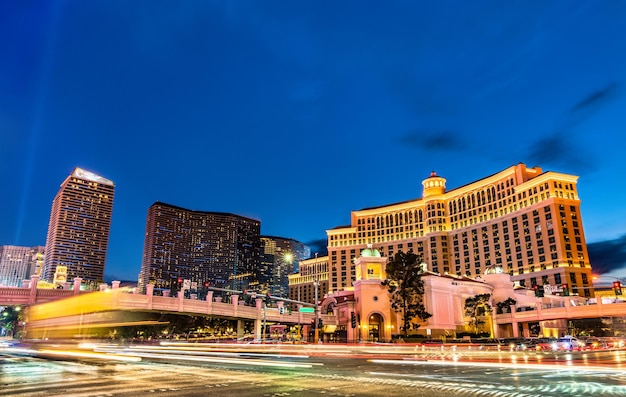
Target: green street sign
[{"x": 307, "y": 310}]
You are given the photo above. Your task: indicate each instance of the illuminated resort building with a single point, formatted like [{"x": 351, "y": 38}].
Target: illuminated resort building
[
  {"x": 521, "y": 219},
  {"x": 280, "y": 257},
  {"x": 302, "y": 284},
  {"x": 19, "y": 263},
  {"x": 214, "y": 248},
  {"x": 80, "y": 222}
]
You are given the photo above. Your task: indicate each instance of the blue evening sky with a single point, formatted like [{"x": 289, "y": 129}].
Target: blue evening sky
[{"x": 297, "y": 112}]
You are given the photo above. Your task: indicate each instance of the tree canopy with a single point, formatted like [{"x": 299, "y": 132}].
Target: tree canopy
[
  {"x": 476, "y": 307},
  {"x": 406, "y": 288}
]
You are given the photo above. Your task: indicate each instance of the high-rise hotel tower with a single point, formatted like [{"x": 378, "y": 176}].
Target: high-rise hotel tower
[
  {"x": 78, "y": 232},
  {"x": 218, "y": 248},
  {"x": 19, "y": 263},
  {"x": 522, "y": 219}
]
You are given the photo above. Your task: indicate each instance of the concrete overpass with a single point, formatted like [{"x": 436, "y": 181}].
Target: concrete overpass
[
  {"x": 118, "y": 299},
  {"x": 551, "y": 315}
]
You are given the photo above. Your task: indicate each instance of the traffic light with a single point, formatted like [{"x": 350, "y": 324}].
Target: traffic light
[
  {"x": 565, "y": 290},
  {"x": 206, "y": 284},
  {"x": 353, "y": 319},
  {"x": 180, "y": 280},
  {"x": 320, "y": 324},
  {"x": 617, "y": 287},
  {"x": 281, "y": 310},
  {"x": 540, "y": 291}
]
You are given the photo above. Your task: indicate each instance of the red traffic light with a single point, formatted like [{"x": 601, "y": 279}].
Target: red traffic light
[
  {"x": 180, "y": 280},
  {"x": 206, "y": 283},
  {"x": 617, "y": 284}
]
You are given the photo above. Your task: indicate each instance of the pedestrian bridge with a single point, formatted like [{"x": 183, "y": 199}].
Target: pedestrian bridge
[{"x": 61, "y": 307}]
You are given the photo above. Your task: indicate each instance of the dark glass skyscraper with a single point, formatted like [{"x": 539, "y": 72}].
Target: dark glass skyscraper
[
  {"x": 78, "y": 232},
  {"x": 218, "y": 248},
  {"x": 280, "y": 257}
]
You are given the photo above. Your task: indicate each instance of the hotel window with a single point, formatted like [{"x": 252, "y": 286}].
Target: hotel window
[{"x": 557, "y": 279}]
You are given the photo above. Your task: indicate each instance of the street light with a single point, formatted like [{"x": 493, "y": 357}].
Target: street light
[
  {"x": 316, "y": 284},
  {"x": 616, "y": 284}
]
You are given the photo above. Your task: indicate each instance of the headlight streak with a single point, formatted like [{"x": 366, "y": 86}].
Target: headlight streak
[
  {"x": 542, "y": 367},
  {"x": 200, "y": 352},
  {"x": 100, "y": 356},
  {"x": 249, "y": 362}
]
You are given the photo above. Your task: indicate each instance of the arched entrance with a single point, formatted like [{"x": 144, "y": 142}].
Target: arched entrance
[{"x": 376, "y": 328}]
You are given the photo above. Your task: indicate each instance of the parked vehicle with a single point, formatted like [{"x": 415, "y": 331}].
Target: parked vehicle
[
  {"x": 568, "y": 343},
  {"x": 543, "y": 344},
  {"x": 594, "y": 344}
]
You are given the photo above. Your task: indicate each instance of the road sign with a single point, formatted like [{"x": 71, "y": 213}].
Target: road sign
[{"x": 307, "y": 310}]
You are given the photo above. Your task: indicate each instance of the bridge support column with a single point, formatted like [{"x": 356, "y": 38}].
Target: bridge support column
[
  {"x": 240, "y": 329},
  {"x": 515, "y": 326},
  {"x": 258, "y": 326}
]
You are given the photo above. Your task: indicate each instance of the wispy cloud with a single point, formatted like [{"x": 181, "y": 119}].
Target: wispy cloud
[
  {"x": 608, "y": 256},
  {"x": 597, "y": 98},
  {"x": 441, "y": 140},
  {"x": 561, "y": 148}
]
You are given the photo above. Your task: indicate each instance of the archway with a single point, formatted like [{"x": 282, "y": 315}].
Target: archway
[{"x": 375, "y": 328}]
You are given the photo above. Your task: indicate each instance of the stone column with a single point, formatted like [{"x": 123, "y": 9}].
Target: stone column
[
  {"x": 115, "y": 284},
  {"x": 209, "y": 302},
  {"x": 149, "y": 295},
  {"x": 234, "y": 299},
  {"x": 32, "y": 297},
  {"x": 240, "y": 329}
]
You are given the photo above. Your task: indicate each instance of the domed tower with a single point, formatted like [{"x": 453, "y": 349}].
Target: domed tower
[
  {"x": 433, "y": 185},
  {"x": 501, "y": 283},
  {"x": 377, "y": 320}
]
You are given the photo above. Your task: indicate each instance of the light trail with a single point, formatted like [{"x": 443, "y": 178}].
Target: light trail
[
  {"x": 96, "y": 355},
  {"x": 247, "y": 362},
  {"x": 544, "y": 367}
]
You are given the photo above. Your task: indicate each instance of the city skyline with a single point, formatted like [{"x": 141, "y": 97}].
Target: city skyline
[{"x": 297, "y": 114}]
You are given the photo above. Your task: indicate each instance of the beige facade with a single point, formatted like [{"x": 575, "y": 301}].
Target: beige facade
[
  {"x": 19, "y": 263},
  {"x": 302, "y": 284},
  {"x": 79, "y": 228},
  {"x": 444, "y": 298},
  {"x": 522, "y": 219}
]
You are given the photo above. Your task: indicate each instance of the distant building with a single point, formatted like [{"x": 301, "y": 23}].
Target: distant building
[
  {"x": 280, "y": 257},
  {"x": 198, "y": 247},
  {"x": 312, "y": 275},
  {"x": 80, "y": 222},
  {"x": 522, "y": 219},
  {"x": 19, "y": 263}
]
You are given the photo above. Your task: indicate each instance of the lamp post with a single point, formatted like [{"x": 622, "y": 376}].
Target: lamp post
[
  {"x": 316, "y": 284},
  {"x": 617, "y": 283}
]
